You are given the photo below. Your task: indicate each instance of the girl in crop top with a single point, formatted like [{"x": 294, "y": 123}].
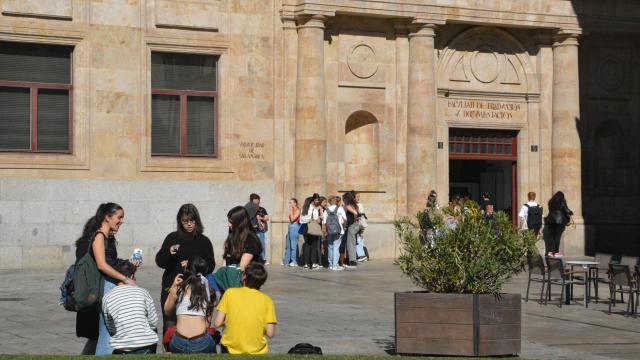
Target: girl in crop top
[{"x": 192, "y": 301}]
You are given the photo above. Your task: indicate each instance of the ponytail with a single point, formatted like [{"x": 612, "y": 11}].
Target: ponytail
[{"x": 94, "y": 223}]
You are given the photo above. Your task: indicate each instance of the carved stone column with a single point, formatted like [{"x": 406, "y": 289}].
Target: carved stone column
[
  {"x": 311, "y": 129},
  {"x": 421, "y": 122},
  {"x": 565, "y": 145}
]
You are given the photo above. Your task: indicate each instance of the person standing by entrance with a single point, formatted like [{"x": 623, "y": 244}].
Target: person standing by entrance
[
  {"x": 530, "y": 215},
  {"x": 313, "y": 219},
  {"x": 333, "y": 220},
  {"x": 559, "y": 217},
  {"x": 260, "y": 221},
  {"x": 353, "y": 227},
  {"x": 291, "y": 245}
]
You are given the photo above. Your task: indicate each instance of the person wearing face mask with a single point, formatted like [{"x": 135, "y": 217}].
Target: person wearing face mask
[{"x": 179, "y": 248}]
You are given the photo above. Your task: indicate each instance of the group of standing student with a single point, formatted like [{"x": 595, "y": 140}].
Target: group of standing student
[
  {"x": 331, "y": 228},
  {"x": 127, "y": 320}
]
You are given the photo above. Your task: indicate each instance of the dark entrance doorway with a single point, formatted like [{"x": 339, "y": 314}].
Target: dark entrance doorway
[{"x": 484, "y": 161}]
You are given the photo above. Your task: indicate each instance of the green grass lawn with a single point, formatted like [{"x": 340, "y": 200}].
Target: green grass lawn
[{"x": 208, "y": 356}]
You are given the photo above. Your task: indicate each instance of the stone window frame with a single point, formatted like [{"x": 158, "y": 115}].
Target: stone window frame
[
  {"x": 216, "y": 46},
  {"x": 34, "y": 88},
  {"x": 78, "y": 156}
]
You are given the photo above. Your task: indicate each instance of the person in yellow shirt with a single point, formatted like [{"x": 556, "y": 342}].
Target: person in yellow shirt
[{"x": 247, "y": 314}]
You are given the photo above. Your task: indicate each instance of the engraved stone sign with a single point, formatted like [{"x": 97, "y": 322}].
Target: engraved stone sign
[
  {"x": 251, "y": 150},
  {"x": 489, "y": 110}
]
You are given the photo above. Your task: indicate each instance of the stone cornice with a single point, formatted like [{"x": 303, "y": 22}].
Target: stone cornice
[{"x": 562, "y": 14}]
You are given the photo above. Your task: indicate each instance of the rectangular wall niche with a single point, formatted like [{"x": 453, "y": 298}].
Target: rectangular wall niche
[
  {"x": 55, "y": 9},
  {"x": 188, "y": 14}
]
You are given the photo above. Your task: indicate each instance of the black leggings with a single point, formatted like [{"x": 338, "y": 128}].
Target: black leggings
[
  {"x": 310, "y": 249},
  {"x": 555, "y": 233}
]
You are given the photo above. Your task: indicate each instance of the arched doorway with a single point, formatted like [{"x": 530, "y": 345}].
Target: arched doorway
[{"x": 361, "y": 151}]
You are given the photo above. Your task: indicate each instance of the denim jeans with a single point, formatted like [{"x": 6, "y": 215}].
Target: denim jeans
[
  {"x": 291, "y": 245},
  {"x": 263, "y": 241},
  {"x": 333, "y": 249},
  {"x": 104, "y": 347},
  {"x": 151, "y": 349},
  {"x": 202, "y": 345},
  {"x": 360, "y": 245}
]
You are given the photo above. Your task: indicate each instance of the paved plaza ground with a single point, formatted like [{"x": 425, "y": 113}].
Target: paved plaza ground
[{"x": 350, "y": 312}]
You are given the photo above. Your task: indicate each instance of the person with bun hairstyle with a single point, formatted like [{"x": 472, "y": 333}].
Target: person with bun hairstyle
[
  {"x": 179, "y": 249},
  {"x": 98, "y": 237},
  {"x": 191, "y": 301}
]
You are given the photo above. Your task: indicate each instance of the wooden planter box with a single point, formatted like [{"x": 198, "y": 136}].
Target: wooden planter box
[{"x": 457, "y": 324}]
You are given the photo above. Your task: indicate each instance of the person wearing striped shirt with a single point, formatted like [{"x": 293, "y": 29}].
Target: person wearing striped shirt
[{"x": 130, "y": 316}]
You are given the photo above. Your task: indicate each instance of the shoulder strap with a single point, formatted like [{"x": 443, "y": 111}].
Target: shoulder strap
[{"x": 527, "y": 205}]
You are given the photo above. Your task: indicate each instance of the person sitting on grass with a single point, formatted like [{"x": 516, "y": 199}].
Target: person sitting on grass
[
  {"x": 247, "y": 314},
  {"x": 191, "y": 300},
  {"x": 130, "y": 316}
]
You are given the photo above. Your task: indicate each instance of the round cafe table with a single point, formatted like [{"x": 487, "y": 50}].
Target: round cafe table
[{"x": 586, "y": 265}]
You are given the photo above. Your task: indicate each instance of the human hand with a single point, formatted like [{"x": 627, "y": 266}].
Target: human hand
[
  {"x": 136, "y": 263},
  {"x": 177, "y": 281},
  {"x": 174, "y": 249},
  {"x": 184, "y": 263}
]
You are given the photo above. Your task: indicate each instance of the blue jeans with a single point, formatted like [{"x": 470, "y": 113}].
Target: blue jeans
[
  {"x": 333, "y": 249},
  {"x": 291, "y": 245},
  {"x": 263, "y": 241},
  {"x": 103, "y": 347},
  {"x": 201, "y": 345},
  {"x": 360, "y": 245}
]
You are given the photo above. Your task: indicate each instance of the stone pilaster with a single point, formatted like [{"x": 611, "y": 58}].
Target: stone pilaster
[
  {"x": 565, "y": 144},
  {"x": 311, "y": 128},
  {"x": 421, "y": 117}
]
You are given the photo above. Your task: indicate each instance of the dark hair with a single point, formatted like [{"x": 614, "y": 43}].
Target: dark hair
[
  {"x": 254, "y": 196},
  {"x": 431, "y": 199},
  {"x": 349, "y": 199},
  {"x": 240, "y": 232},
  {"x": 192, "y": 278},
  {"x": 126, "y": 268},
  {"x": 306, "y": 205},
  {"x": 294, "y": 200},
  {"x": 95, "y": 222},
  {"x": 189, "y": 211},
  {"x": 315, "y": 196},
  {"x": 557, "y": 201},
  {"x": 256, "y": 275}
]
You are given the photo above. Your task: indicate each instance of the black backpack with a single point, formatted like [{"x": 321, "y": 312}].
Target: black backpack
[
  {"x": 534, "y": 216},
  {"x": 66, "y": 290},
  {"x": 305, "y": 349}
]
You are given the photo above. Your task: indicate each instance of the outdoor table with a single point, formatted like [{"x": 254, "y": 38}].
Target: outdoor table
[{"x": 586, "y": 265}]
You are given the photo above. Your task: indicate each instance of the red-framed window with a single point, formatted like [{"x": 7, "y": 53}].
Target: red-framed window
[
  {"x": 36, "y": 97},
  {"x": 184, "y": 105},
  {"x": 469, "y": 144}
]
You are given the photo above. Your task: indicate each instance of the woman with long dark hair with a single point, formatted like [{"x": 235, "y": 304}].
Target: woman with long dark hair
[
  {"x": 98, "y": 236},
  {"x": 179, "y": 249},
  {"x": 242, "y": 245},
  {"x": 353, "y": 227},
  {"x": 312, "y": 217},
  {"x": 191, "y": 302},
  {"x": 559, "y": 217}
]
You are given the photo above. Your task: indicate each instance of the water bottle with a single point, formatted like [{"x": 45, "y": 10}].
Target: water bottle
[{"x": 137, "y": 256}]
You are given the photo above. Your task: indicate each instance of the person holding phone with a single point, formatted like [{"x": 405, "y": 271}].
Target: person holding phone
[{"x": 179, "y": 249}]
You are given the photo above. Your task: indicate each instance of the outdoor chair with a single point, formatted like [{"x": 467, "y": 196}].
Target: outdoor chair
[
  {"x": 537, "y": 268},
  {"x": 631, "y": 262},
  {"x": 559, "y": 275},
  {"x": 600, "y": 274},
  {"x": 623, "y": 282}
]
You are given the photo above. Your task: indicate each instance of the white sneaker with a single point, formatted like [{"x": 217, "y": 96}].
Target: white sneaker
[
  {"x": 337, "y": 268},
  {"x": 266, "y": 263},
  {"x": 292, "y": 264},
  {"x": 314, "y": 266}
]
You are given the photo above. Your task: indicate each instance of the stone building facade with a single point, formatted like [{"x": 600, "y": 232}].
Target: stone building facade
[{"x": 391, "y": 98}]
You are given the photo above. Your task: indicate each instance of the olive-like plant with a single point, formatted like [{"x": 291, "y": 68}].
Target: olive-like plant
[{"x": 464, "y": 252}]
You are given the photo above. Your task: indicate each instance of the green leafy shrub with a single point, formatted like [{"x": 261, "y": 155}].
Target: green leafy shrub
[{"x": 477, "y": 256}]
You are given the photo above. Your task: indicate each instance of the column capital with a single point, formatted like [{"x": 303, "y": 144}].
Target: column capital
[
  {"x": 422, "y": 30},
  {"x": 311, "y": 21},
  {"x": 288, "y": 21},
  {"x": 566, "y": 37}
]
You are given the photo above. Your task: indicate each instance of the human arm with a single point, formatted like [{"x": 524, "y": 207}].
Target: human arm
[
  {"x": 209, "y": 256},
  {"x": 98, "y": 249},
  {"x": 170, "y": 304},
  {"x": 165, "y": 258},
  {"x": 352, "y": 210},
  {"x": 152, "y": 314},
  {"x": 245, "y": 260},
  {"x": 219, "y": 321},
  {"x": 270, "y": 330}
]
